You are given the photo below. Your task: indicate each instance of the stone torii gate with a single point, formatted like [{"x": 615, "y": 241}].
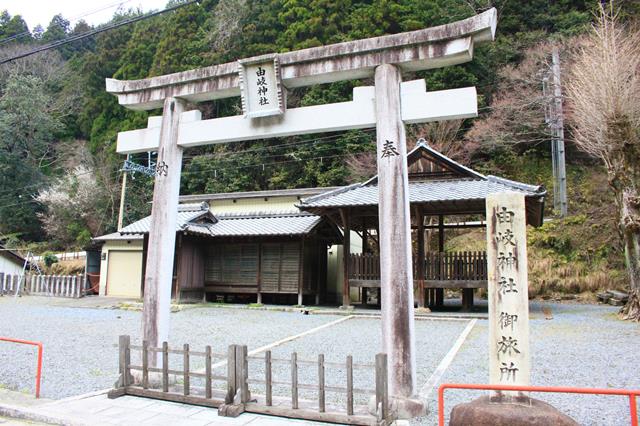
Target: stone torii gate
[{"x": 262, "y": 82}]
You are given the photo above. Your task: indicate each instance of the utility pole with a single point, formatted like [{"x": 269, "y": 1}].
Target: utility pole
[
  {"x": 554, "y": 117},
  {"x": 122, "y": 195}
]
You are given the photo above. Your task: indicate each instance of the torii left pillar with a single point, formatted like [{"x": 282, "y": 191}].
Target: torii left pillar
[
  {"x": 396, "y": 276},
  {"x": 162, "y": 235}
]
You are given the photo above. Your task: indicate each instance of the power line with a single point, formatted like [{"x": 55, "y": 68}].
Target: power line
[
  {"x": 75, "y": 18},
  {"x": 95, "y": 31}
]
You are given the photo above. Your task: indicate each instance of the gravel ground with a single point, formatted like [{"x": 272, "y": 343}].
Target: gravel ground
[
  {"x": 80, "y": 344},
  {"x": 583, "y": 346},
  {"x": 364, "y": 338}
]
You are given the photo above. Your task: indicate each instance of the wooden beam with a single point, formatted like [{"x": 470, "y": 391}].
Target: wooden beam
[
  {"x": 162, "y": 237},
  {"x": 427, "y": 48},
  {"x": 395, "y": 235},
  {"x": 418, "y": 106}
]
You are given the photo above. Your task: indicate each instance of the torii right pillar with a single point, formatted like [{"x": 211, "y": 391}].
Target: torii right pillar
[{"x": 396, "y": 275}]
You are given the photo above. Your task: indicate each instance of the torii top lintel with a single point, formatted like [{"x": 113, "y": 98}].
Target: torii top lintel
[{"x": 433, "y": 47}]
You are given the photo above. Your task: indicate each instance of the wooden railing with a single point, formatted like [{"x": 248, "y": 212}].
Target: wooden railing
[
  {"x": 447, "y": 266},
  {"x": 43, "y": 285},
  {"x": 456, "y": 266},
  {"x": 240, "y": 392}
]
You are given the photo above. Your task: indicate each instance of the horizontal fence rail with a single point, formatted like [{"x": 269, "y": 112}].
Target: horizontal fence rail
[
  {"x": 240, "y": 391},
  {"x": 632, "y": 394},
  {"x": 43, "y": 285},
  {"x": 444, "y": 266}
]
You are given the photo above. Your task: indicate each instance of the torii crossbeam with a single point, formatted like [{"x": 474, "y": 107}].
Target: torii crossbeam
[{"x": 262, "y": 82}]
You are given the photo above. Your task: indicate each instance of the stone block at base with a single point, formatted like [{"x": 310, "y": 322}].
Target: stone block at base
[
  {"x": 230, "y": 410},
  {"x": 402, "y": 408},
  {"x": 483, "y": 412}
]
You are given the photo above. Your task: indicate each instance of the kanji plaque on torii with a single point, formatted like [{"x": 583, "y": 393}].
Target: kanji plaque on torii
[{"x": 263, "y": 81}]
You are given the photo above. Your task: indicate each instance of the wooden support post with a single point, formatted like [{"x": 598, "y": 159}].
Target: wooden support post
[
  {"x": 301, "y": 273},
  {"x": 145, "y": 364},
  {"x": 162, "y": 234},
  {"x": 321, "y": 396},
  {"x": 294, "y": 380},
  {"x": 165, "y": 366},
  {"x": 259, "y": 274},
  {"x": 267, "y": 379},
  {"x": 439, "y": 292},
  {"x": 231, "y": 375},
  {"x": 396, "y": 278},
  {"x": 125, "y": 360},
  {"x": 346, "y": 250},
  {"x": 207, "y": 371},
  {"x": 382, "y": 390},
  {"x": 349, "y": 385},
  {"x": 185, "y": 370},
  {"x": 242, "y": 373},
  {"x": 467, "y": 299},
  {"x": 420, "y": 258}
]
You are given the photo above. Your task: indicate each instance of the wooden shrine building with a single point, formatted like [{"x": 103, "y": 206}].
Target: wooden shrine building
[
  {"x": 237, "y": 249},
  {"x": 440, "y": 189}
]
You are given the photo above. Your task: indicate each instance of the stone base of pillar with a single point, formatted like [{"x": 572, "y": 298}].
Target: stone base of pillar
[
  {"x": 403, "y": 408},
  {"x": 483, "y": 412}
]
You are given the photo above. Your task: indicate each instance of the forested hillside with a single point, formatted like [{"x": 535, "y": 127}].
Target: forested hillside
[{"x": 59, "y": 173}]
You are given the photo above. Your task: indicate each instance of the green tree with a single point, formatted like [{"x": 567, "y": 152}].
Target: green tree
[{"x": 27, "y": 131}]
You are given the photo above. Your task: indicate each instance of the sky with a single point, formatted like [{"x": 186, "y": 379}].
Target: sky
[{"x": 36, "y": 12}]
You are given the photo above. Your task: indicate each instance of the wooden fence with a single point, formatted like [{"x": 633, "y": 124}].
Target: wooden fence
[
  {"x": 43, "y": 285},
  {"x": 447, "y": 266},
  {"x": 240, "y": 392},
  {"x": 456, "y": 266}
]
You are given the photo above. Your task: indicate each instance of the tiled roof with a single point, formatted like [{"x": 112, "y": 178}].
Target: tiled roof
[
  {"x": 116, "y": 236},
  {"x": 290, "y": 222},
  {"x": 186, "y": 213},
  {"x": 263, "y": 224},
  {"x": 422, "y": 192}
]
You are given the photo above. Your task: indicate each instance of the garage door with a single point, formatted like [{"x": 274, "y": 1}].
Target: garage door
[{"x": 124, "y": 273}]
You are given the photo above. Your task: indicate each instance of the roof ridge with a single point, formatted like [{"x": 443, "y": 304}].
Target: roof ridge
[
  {"x": 333, "y": 192},
  {"x": 518, "y": 185},
  {"x": 262, "y": 214}
]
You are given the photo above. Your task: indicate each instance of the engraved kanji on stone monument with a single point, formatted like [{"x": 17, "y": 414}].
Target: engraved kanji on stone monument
[
  {"x": 260, "y": 87},
  {"x": 509, "y": 355}
]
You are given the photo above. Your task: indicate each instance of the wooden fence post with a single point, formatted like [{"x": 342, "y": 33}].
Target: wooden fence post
[
  {"x": 267, "y": 378},
  {"x": 294, "y": 380},
  {"x": 125, "y": 359},
  {"x": 1, "y": 283},
  {"x": 350, "y": 385},
  {"x": 145, "y": 364},
  {"x": 185, "y": 370},
  {"x": 207, "y": 366},
  {"x": 242, "y": 373},
  {"x": 321, "y": 398},
  {"x": 231, "y": 375},
  {"x": 382, "y": 387},
  {"x": 165, "y": 366}
]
